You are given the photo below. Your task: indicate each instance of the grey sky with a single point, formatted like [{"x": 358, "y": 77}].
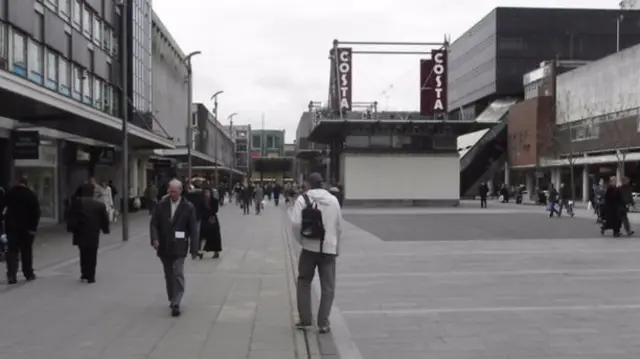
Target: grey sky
[{"x": 271, "y": 56}]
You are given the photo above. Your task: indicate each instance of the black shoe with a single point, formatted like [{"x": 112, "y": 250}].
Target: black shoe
[
  {"x": 216, "y": 255},
  {"x": 91, "y": 280},
  {"x": 201, "y": 254},
  {"x": 31, "y": 277},
  {"x": 303, "y": 326},
  {"x": 175, "y": 311},
  {"x": 12, "y": 281},
  {"x": 324, "y": 329},
  {"x": 630, "y": 233}
]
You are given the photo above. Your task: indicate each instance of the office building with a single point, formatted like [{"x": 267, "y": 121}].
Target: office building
[
  {"x": 60, "y": 71},
  {"x": 243, "y": 138},
  {"x": 267, "y": 156}
]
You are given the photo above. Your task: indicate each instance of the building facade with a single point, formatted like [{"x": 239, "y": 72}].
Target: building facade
[
  {"x": 170, "y": 90},
  {"x": 242, "y": 136},
  {"x": 267, "y": 143},
  {"x": 212, "y": 138},
  {"x": 140, "y": 84}
]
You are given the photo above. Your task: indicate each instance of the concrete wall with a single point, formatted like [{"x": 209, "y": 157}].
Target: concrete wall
[
  {"x": 169, "y": 84},
  {"x": 599, "y": 88}
]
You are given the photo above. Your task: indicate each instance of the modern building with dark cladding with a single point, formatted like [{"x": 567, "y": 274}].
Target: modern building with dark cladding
[
  {"x": 140, "y": 84},
  {"x": 67, "y": 46},
  {"x": 489, "y": 60}
]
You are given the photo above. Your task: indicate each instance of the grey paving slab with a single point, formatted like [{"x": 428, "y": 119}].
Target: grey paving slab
[
  {"x": 527, "y": 287},
  {"x": 237, "y": 306}
]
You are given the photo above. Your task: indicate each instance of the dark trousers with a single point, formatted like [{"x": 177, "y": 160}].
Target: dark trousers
[
  {"x": 483, "y": 202},
  {"x": 625, "y": 223},
  {"x": 307, "y": 264},
  {"x": 19, "y": 244},
  {"x": 276, "y": 200},
  {"x": 88, "y": 261},
  {"x": 245, "y": 206}
]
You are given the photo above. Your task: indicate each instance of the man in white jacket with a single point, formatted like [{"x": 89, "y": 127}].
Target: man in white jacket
[{"x": 318, "y": 253}]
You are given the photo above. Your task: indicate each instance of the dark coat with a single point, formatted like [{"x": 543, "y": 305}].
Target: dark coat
[
  {"x": 484, "y": 190},
  {"x": 22, "y": 210},
  {"x": 87, "y": 217},
  {"x": 613, "y": 208},
  {"x": 163, "y": 229},
  {"x": 210, "y": 226},
  {"x": 196, "y": 197}
]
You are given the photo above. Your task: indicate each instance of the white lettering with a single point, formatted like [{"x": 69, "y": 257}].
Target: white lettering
[
  {"x": 344, "y": 69},
  {"x": 439, "y": 69}
]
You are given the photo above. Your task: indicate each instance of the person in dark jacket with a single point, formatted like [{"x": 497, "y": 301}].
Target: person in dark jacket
[
  {"x": 174, "y": 232},
  {"x": 246, "y": 195},
  {"x": 277, "y": 189},
  {"x": 210, "y": 238},
  {"x": 195, "y": 196},
  {"x": 483, "y": 191},
  {"x": 87, "y": 218},
  {"x": 553, "y": 199},
  {"x": 613, "y": 208},
  {"x": 22, "y": 216},
  {"x": 627, "y": 197}
]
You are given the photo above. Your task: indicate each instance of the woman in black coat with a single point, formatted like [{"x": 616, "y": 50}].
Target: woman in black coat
[
  {"x": 613, "y": 209},
  {"x": 210, "y": 239}
]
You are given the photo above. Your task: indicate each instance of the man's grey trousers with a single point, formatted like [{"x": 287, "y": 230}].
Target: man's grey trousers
[
  {"x": 174, "y": 279},
  {"x": 326, "y": 264}
]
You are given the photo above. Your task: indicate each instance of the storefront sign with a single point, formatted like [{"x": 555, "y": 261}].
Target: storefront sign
[
  {"x": 433, "y": 84},
  {"x": 342, "y": 75},
  {"x": 26, "y": 145},
  {"x": 104, "y": 156}
]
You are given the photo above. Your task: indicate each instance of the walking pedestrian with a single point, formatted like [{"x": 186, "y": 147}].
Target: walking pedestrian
[
  {"x": 259, "y": 197},
  {"x": 484, "y": 191},
  {"x": 22, "y": 216},
  {"x": 626, "y": 193},
  {"x": 316, "y": 219},
  {"x": 210, "y": 238},
  {"x": 173, "y": 231},
  {"x": 613, "y": 208},
  {"x": 87, "y": 217}
]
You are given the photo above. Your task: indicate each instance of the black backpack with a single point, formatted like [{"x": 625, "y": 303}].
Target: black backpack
[{"x": 311, "y": 225}]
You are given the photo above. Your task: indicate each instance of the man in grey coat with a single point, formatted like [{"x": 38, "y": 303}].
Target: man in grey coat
[
  {"x": 173, "y": 231},
  {"x": 258, "y": 197}
]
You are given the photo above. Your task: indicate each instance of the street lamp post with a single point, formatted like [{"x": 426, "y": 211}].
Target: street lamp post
[
  {"x": 187, "y": 62},
  {"x": 214, "y": 97},
  {"x": 124, "y": 99},
  {"x": 233, "y": 153}
]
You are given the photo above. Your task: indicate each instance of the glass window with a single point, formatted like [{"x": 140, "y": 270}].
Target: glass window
[
  {"x": 4, "y": 48},
  {"x": 65, "y": 8},
  {"x": 52, "y": 70},
  {"x": 97, "y": 93},
  {"x": 114, "y": 45},
  {"x": 97, "y": 31},
  {"x": 19, "y": 54},
  {"x": 77, "y": 14},
  {"x": 115, "y": 100},
  {"x": 255, "y": 143},
  {"x": 87, "y": 88},
  {"x": 87, "y": 22},
  {"x": 106, "y": 39},
  {"x": 36, "y": 62},
  {"x": 64, "y": 75},
  {"x": 106, "y": 97},
  {"x": 270, "y": 142},
  {"x": 77, "y": 82},
  {"x": 38, "y": 29},
  {"x": 68, "y": 46}
]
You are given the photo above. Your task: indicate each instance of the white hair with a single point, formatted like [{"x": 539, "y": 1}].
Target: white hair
[{"x": 176, "y": 182}]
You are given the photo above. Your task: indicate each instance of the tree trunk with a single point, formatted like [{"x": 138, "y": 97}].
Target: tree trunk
[{"x": 572, "y": 179}]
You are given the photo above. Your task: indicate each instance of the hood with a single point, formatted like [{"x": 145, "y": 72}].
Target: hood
[{"x": 320, "y": 196}]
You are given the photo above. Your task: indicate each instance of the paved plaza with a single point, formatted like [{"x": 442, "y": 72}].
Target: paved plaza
[
  {"x": 427, "y": 283},
  {"x": 238, "y": 306},
  {"x": 459, "y": 283}
]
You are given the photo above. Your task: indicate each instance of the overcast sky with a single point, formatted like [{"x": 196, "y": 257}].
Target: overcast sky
[{"x": 271, "y": 56}]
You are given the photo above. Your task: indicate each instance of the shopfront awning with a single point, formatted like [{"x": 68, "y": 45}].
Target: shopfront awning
[
  {"x": 308, "y": 154},
  {"x": 25, "y": 101},
  {"x": 219, "y": 168},
  {"x": 180, "y": 154}
]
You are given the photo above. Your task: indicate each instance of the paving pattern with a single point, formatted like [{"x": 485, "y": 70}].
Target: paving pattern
[
  {"x": 235, "y": 307},
  {"x": 496, "y": 284}
]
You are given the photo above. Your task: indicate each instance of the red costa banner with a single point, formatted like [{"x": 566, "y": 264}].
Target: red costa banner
[
  {"x": 341, "y": 85},
  {"x": 433, "y": 84}
]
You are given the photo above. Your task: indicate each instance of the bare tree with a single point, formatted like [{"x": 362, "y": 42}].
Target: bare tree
[
  {"x": 624, "y": 139},
  {"x": 558, "y": 136}
]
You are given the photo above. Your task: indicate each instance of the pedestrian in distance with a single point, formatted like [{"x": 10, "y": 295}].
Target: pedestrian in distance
[
  {"x": 87, "y": 217},
  {"x": 210, "y": 238},
  {"x": 316, "y": 220},
  {"x": 173, "y": 231},
  {"x": 22, "y": 217}
]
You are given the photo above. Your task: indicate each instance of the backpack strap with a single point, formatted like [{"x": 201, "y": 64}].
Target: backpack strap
[{"x": 307, "y": 200}]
